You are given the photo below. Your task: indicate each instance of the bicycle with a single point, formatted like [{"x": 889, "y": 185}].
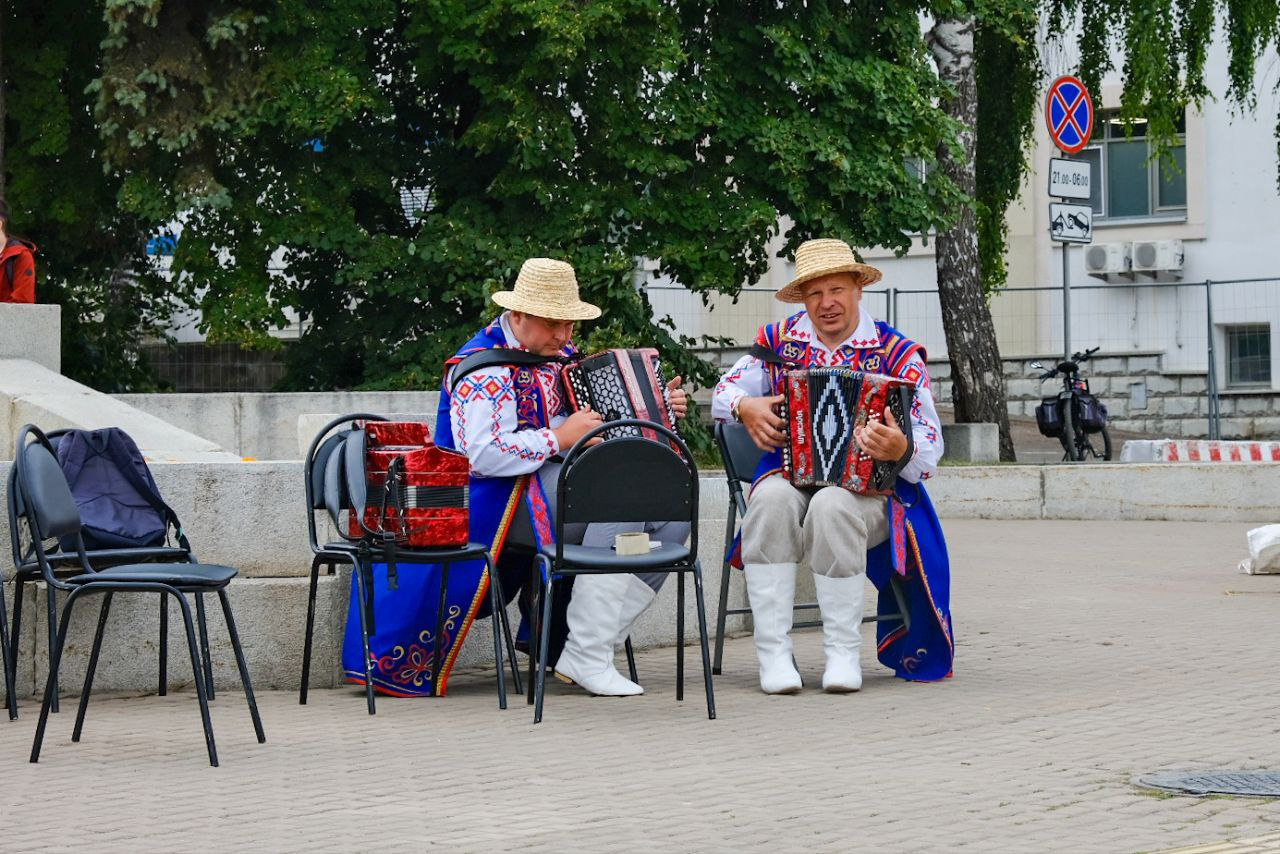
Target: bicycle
[{"x": 1075, "y": 416}]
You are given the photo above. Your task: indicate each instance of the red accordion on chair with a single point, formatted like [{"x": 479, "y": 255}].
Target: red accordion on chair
[
  {"x": 621, "y": 384},
  {"x": 822, "y": 406},
  {"x": 417, "y": 492}
]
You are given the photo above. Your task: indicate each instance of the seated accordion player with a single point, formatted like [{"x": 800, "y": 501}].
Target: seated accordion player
[
  {"x": 621, "y": 384},
  {"x": 822, "y": 407}
]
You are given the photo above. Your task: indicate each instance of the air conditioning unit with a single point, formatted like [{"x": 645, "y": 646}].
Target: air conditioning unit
[
  {"x": 1107, "y": 259},
  {"x": 1158, "y": 256}
]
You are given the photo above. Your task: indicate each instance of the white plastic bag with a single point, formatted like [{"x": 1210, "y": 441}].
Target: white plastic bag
[{"x": 1264, "y": 551}]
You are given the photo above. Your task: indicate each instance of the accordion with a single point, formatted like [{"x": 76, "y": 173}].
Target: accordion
[
  {"x": 621, "y": 384},
  {"x": 822, "y": 406},
  {"x": 418, "y": 494}
]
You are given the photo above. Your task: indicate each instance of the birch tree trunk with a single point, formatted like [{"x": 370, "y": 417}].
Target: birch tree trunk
[{"x": 977, "y": 374}]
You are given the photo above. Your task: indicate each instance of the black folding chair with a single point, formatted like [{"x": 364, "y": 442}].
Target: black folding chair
[
  {"x": 327, "y": 488},
  {"x": 741, "y": 456},
  {"x": 51, "y": 512},
  {"x": 625, "y": 479},
  {"x": 61, "y": 564}
]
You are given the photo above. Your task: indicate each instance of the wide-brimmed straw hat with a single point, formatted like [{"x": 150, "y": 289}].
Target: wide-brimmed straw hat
[
  {"x": 547, "y": 288},
  {"x": 815, "y": 258}
]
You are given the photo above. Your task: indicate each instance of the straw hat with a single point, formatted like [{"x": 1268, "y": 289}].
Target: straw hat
[
  {"x": 547, "y": 288},
  {"x": 815, "y": 258}
]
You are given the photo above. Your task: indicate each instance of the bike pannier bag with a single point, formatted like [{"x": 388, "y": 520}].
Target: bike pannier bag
[
  {"x": 1049, "y": 417},
  {"x": 1092, "y": 414}
]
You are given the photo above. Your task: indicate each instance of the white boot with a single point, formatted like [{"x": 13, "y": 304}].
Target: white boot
[
  {"x": 594, "y": 614},
  {"x": 639, "y": 597},
  {"x": 841, "y": 602},
  {"x": 771, "y": 589}
]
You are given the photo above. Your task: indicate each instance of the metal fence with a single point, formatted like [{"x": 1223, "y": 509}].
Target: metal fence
[{"x": 1219, "y": 330}]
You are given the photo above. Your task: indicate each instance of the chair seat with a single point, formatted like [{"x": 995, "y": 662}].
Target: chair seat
[
  {"x": 210, "y": 575},
  {"x": 471, "y": 551},
  {"x": 586, "y": 557}
]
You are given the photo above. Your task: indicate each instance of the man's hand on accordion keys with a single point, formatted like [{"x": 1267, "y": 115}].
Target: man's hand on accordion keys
[
  {"x": 576, "y": 426},
  {"x": 764, "y": 425},
  {"x": 679, "y": 400},
  {"x": 882, "y": 440}
]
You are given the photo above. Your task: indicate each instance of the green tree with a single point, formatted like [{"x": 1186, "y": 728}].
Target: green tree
[
  {"x": 599, "y": 133},
  {"x": 91, "y": 256}
]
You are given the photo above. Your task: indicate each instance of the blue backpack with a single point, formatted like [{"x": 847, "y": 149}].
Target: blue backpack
[{"x": 120, "y": 506}]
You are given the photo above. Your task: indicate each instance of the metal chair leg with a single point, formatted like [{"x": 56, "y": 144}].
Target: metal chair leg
[
  {"x": 241, "y": 665},
  {"x": 544, "y": 644},
  {"x": 631, "y": 661},
  {"x": 896, "y": 586},
  {"x": 311, "y": 621},
  {"x": 16, "y": 628},
  {"x": 93, "y": 665},
  {"x": 205, "y": 658},
  {"x": 725, "y": 571},
  {"x": 163, "y": 667},
  {"x": 702, "y": 637},
  {"x": 51, "y": 594},
  {"x": 436, "y": 681},
  {"x": 679, "y": 637},
  {"x": 535, "y": 592},
  {"x": 361, "y": 583},
  {"x": 496, "y": 619},
  {"x": 198, "y": 674},
  {"x": 51, "y": 681},
  {"x": 10, "y": 661},
  {"x": 496, "y": 580}
]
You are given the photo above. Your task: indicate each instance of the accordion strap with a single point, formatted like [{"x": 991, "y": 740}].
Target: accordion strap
[
  {"x": 496, "y": 357},
  {"x": 765, "y": 354}
]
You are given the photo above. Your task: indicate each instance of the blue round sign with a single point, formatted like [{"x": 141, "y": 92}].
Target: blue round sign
[{"x": 1069, "y": 114}]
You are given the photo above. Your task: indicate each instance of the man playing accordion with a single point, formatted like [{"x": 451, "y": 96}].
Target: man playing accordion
[
  {"x": 513, "y": 423},
  {"x": 840, "y": 534}
]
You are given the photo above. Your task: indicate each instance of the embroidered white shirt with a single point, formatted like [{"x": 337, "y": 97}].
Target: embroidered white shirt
[
  {"x": 750, "y": 378},
  {"x": 483, "y": 414}
]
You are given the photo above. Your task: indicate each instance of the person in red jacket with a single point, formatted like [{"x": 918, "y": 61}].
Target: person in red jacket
[{"x": 17, "y": 263}]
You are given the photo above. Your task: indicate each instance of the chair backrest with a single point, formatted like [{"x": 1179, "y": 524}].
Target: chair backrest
[
  {"x": 323, "y": 471},
  {"x": 740, "y": 456},
  {"x": 628, "y": 479},
  {"x": 50, "y": 509}
]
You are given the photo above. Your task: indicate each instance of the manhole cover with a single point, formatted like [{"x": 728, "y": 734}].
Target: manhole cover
[{"x": 1258, "y": 783}]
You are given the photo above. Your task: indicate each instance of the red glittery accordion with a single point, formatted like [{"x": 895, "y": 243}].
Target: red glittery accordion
[
  {"x": 822, "y": 406},
  {"x": 418, "y": 492},
  {"x": 621, "y": 384}
]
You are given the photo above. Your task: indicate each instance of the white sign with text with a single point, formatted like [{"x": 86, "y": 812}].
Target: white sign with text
[{"x": 1070, "y": 179}]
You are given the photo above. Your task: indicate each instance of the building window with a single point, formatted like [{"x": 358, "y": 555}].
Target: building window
[
  {"x": 1127, "y": 182},
  {"x": 1249, "y": 355}
]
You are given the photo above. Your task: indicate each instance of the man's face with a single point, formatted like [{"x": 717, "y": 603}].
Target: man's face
[
  {"x": 541, "y": 335},
  {"x": 832, "y": 302}
]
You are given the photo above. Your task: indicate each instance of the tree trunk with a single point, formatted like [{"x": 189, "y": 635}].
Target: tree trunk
[
  {"x": 977, "y": 374},
  {"x": 4, "y": 11}
]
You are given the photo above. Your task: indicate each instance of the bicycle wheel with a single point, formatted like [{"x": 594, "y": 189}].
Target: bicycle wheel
[
  {"x": 1106, "y": 442},
  {"x": 1070, "y": 441}
]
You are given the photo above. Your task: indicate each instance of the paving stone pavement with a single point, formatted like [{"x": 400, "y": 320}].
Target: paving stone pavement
[{"x": 1089, "y": 653}]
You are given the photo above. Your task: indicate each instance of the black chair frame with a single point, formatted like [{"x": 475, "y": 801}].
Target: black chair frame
[
  {"x": 361, "y": 553},
  {"x": 740, "y": 457},
  {"x": 550, "y": 563},
  {"x": 59, "y": 563},
  {"x": 7, "y": 660},
  {"x": 104, "y": 584}
]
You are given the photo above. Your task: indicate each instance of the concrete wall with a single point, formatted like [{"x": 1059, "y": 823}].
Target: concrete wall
[
  {"x": 264, "y": 426},
  {"x": 248, "y": 515}
]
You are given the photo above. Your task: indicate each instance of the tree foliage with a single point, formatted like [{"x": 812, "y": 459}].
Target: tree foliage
[
  {"x": 91, "y": 252},
  {"x": 289, "y": 132}
]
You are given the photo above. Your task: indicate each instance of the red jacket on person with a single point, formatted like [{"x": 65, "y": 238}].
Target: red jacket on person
[{"x": 18, "y": 271}]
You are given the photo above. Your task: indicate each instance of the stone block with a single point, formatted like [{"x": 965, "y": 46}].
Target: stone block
[
  {"x": 1235, "y": 428},
  {"x": 1209, "y": 492},
  {"x": 1193, "y": 385},
  {"x": 987, "y": 492},
  {"x": 1181, "y": 407},
  {"x": 1117, "y": 407},
  {"x": 1260, "y": 405},
  {"x": 1226, "y": 405},
  {"x": 1161, "y": 384},
  {"x": 1024, "y": 389},
  {"x": 33, "y": 333},
  {"x": 1108, "y": 366},
  {"x": 1144, "y": 365},
  {"x": 973, "y": 443},
  {"x": 1193, "y": 428},
  {"x": 1266, "y": 428},
  {"x": 939, "y": 370}
]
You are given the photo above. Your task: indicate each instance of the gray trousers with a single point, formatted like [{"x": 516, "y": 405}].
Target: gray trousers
[
  {"x": 831, "y": 528},
  {"x": 598, "y": 534}
]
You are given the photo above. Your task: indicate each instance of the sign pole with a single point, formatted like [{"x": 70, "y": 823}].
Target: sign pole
[{"x": 1066, "y": 305}]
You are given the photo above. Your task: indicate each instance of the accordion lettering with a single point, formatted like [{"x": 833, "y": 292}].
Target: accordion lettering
[
  {"x": 621, "y": 384},
  {"x": 417, "y": 492},
  {"x": 822, "y": 406}
]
